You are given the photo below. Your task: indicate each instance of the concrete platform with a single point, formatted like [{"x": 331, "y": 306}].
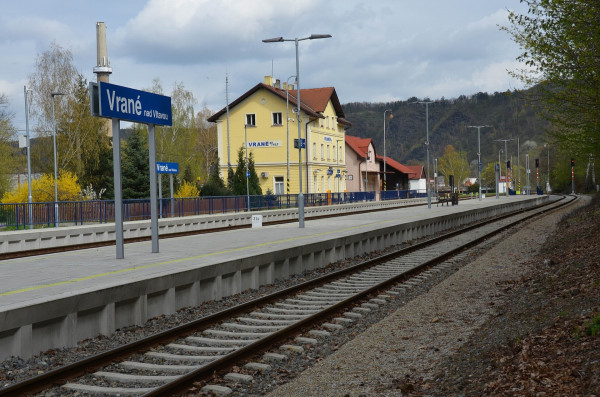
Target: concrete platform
[{"x": 56, "y": 300}]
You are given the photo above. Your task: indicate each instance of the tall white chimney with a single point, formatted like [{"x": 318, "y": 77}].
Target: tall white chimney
[{"x": 102, "y": 68}]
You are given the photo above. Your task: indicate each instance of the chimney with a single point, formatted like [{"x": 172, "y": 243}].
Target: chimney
[
  {"x": 269, "y": 81},
  {"x": 277, "y": 84},
  {"x": 102, "y": 68}
]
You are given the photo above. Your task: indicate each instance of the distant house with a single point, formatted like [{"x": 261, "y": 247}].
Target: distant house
[
  {"x": 397, "y": 175},
  {"x": 417, "y": 179},
  {"x": 362, "y": 165}
]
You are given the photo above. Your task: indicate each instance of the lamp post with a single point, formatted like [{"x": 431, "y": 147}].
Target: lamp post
[
  {"x": 29, "y": 197},
  {"x": 384, "y": 159},
  {"x": 247, "y": 170},
  {"x": 506, "y": 161},
  {"x": 54, "y": 94},
  {"x": 479, "y": 127},
  {"x": 435, "y": 186},
  {"x": 287, "y": 123},
  {"x": 338, "y": 175},
  {"x": 298, "y": 103},
  {"x": 427, "y": 146}
]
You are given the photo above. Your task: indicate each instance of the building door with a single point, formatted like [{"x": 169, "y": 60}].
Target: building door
[{"x": 279, "y": 187}]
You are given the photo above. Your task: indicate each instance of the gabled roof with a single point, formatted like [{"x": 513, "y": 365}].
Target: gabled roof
[
  {"x": 396, "y": 165},
  {"x": 359, "y": 145},
  {"x": 416, "y": 171},
  {"x": 314, "y": 101}
]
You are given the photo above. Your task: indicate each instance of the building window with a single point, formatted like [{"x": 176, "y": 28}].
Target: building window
[
  {"x": 251, "y": 119},
  {"x": 314, "y": 150},
  {"x": 277, "y": 118},
  {"x": 327, "y": 121},
  {"x": 279, "y": 188},
  {"x": 322, "y": 152},
  {"x": 328, "y": 153}
]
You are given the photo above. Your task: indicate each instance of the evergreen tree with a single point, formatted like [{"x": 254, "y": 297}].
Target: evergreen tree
[
  {"x": 134, "y": 168},
  {"x": 238, "y": 185},
  {"x": 215, "y": 186},
  {"x": 230, "y": 177},
  {"x": 254, "y": 183}
]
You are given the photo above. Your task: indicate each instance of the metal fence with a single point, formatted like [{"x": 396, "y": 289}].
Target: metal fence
[{"x": 23, "y": 215}]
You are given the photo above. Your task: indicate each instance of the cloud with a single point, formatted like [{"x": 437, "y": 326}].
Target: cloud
[{"x": 191, "y": 31}]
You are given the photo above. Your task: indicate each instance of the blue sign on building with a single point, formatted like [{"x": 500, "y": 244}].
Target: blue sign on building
[
  {"x": 167, "y": 168},
  {"x": 125, "y": 103}
]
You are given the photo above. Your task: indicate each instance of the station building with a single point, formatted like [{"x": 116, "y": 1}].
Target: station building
[{"x": 264, "y": 118}]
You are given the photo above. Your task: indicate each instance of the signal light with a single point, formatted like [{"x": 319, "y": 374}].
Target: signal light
[
  {"x": 508, "y": 164},
  {"x": 537, "y": 163},
  {"x": 572, "y": 163}
]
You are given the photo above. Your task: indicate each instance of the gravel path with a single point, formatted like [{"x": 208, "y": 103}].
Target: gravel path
[{"x": 413, "y": 341}]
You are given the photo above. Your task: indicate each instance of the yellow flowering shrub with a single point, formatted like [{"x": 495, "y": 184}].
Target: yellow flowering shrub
[
  {"x": 42, "y": 189},
  {"x": 187, "y": 190}
]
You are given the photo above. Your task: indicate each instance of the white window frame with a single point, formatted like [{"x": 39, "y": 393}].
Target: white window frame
[
  {"x": 314, "y": 150},
  {"x": 277, "y": 118},
  {"x": 279, "y": 181},
  {"x": 251, "y": 119}
]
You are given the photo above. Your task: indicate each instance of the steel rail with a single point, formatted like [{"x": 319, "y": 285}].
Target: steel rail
[{"x": 90, "y": 364}]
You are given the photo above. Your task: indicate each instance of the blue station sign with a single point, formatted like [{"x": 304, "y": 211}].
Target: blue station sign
[
  {"x": 125, "y": 103},
  {"x": 163, "y": 167}
]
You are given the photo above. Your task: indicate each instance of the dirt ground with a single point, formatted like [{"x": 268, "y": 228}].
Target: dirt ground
[{"x": 545, "y": 341}]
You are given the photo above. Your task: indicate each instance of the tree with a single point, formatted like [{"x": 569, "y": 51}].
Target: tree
[
  {"x": 215, "y": 186},
  {"x": 454, "y": 163},
  {"x": 560, "y": 42},
  {"x": 239, "y": 177},
  {"x": 135, "y": 168},
  {"x": 7, "y": 151}
]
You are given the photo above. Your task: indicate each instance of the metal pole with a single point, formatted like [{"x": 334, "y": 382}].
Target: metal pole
[
  {"x": 153, "y": 201},
  {"x": 247, "y": 170},
  {"x": 160, "y": 196},
  {"x": 287, "y": 123},
  {"x": 55, "y": 160},
  {"x": 384, "y": 155},
  {"x": 118, "y": 188},
  {"x": 29, "y": 197},
  {"x": 427, "y": 143},
  {"x": 479, "y": 127},
  {"x": 300, "y": 195}
]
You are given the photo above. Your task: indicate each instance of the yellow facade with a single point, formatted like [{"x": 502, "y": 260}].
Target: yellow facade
[{"x": 275, "y": 126}]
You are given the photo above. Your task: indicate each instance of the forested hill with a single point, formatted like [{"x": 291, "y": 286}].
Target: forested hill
[{"x": 507, "y": 113}]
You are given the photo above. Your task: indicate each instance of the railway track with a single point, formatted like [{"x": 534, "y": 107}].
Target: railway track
[{"x": 173, "y": 361}]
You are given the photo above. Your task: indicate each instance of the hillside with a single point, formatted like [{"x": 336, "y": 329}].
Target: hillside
[{"x": 507, "y": 112}]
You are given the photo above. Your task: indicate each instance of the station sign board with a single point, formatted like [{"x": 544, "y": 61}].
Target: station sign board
[
  {"x": 163, "y": 167},
  {"x": 124, "y": 103}
]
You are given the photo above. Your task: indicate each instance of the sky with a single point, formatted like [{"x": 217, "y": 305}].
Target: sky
[{"x": 380, "y": 50}]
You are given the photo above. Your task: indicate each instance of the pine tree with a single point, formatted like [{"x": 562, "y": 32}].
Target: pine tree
[
  {"x": 254, "y": 183},
  {"x": 134, "y": 168}
]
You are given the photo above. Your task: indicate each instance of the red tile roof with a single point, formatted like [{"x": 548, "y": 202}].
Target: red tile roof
[
  {"x": 314, "y": 101},
  {"x": 416, "y": 171},
  {"x": 396, "y": 165},
  {"x": 359, "y": 145}
]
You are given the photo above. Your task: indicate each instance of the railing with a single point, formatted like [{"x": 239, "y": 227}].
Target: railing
[{"x": 103, "y": 211}]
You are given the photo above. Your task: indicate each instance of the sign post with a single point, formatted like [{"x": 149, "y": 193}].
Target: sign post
[
  {"x": 123, "y": 103},
  {"x": 168, "y": 168}
]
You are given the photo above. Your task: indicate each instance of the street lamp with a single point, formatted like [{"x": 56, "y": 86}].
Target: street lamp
[
  {"x": 479, "y": 127},
  {"x": 298, "y": 103},
  {"x": 247, "y": 170},
  {"x": 29, "y": 197},
  {"x": 427, "y": 145},
  {"x": 384, "y": 159},
  {"x": 506, "y": 161},
  {"x": 54, "y": 94},
  {"x": 338, "y": 175},
  {"x": 287, "y": 123}
]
